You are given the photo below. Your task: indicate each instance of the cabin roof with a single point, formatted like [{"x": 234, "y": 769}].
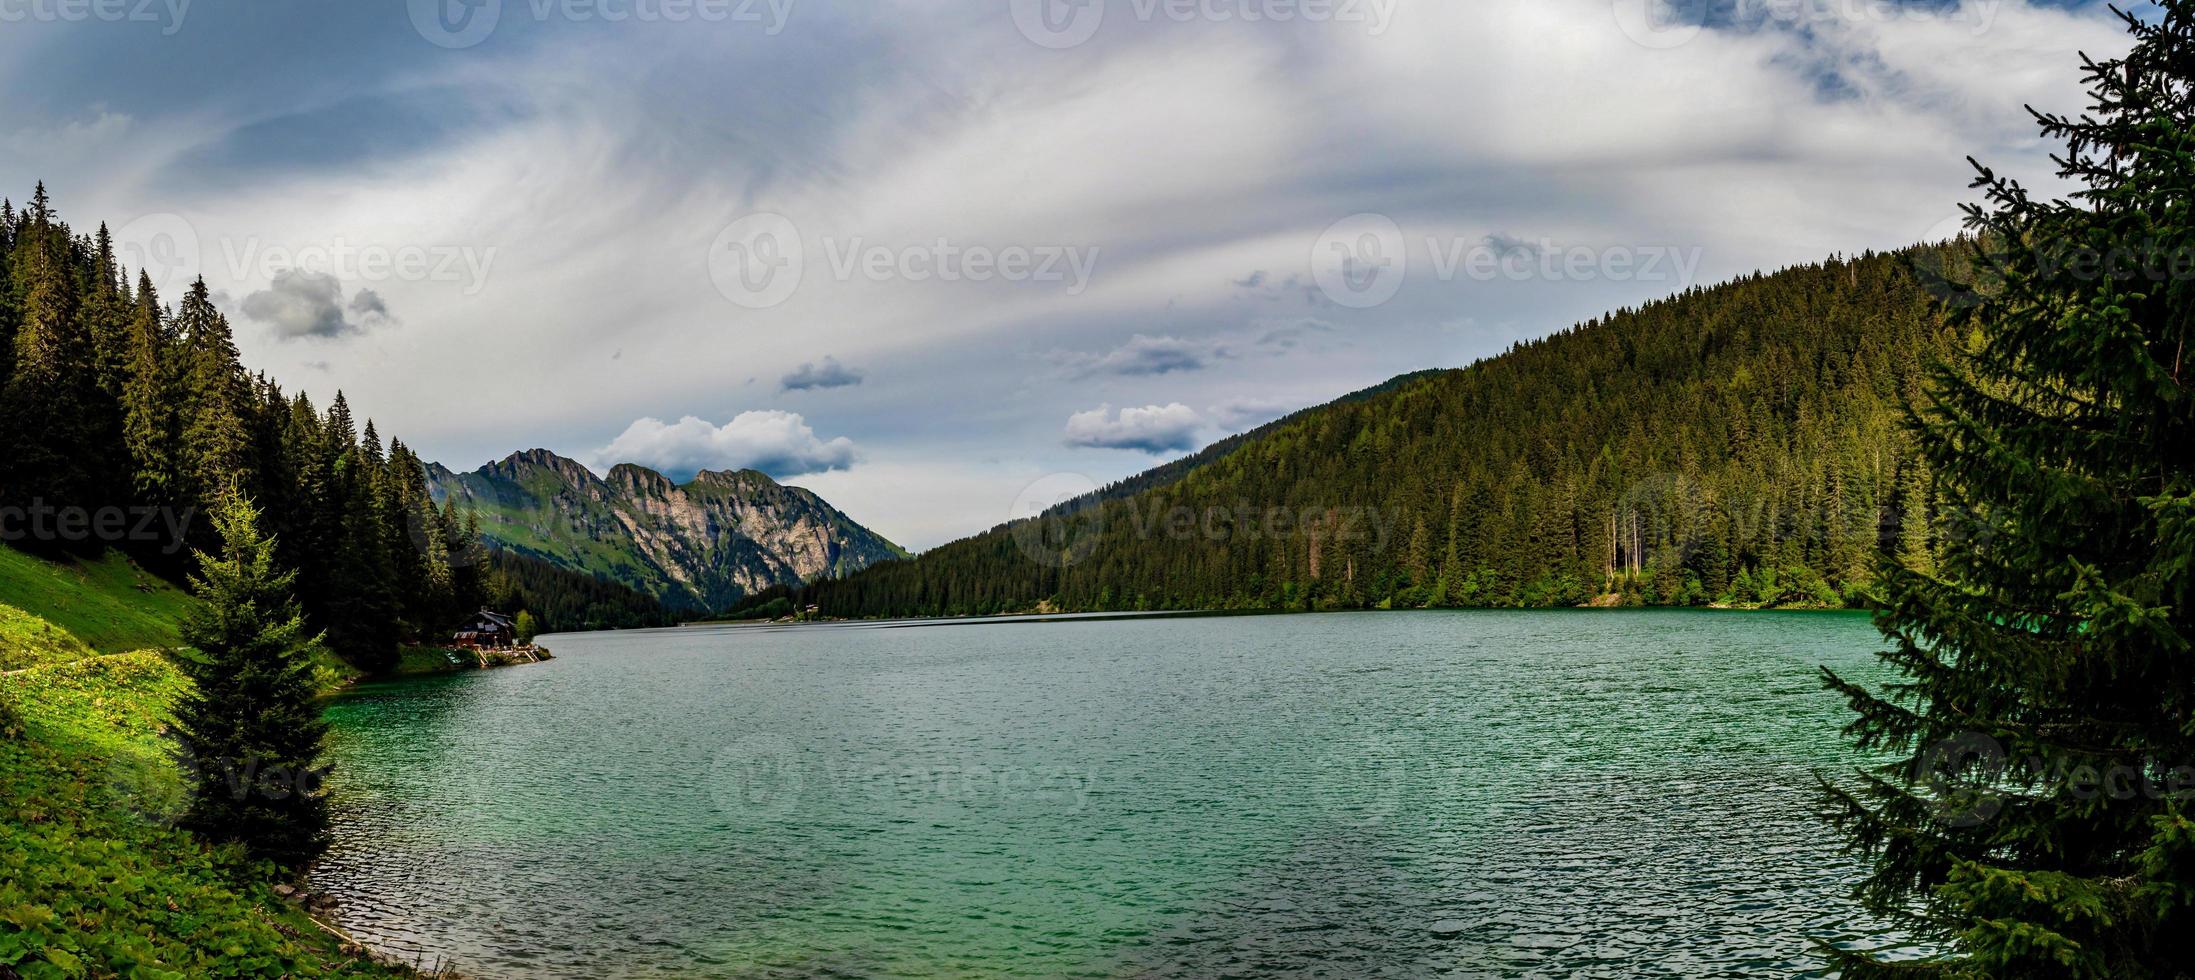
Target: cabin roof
[{"x": 486, "y": 621}]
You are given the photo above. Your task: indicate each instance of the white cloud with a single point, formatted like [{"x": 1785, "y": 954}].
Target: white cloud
[
  {"x": 1155, "y": 429},
  {"x": 778, "y": 443},
  {"x": 1204, "y": 159}
]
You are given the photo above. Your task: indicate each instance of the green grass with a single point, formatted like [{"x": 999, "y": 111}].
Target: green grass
[
  {"x": 58, "y": 611},
  {"x": 109, "y": 604},
  {"x": 95, "y": 878},
  {"x": 422, "y": 661},
  {"x": 95, "y": 881},
  {"x": 28, "y": 641}
]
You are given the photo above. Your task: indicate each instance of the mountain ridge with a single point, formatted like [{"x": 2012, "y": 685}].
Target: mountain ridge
[
  {"x": 700, "y": 545},
  {"x": 1735, "y": 444}
]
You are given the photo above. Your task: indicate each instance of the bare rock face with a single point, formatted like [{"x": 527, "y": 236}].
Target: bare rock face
[{"x": 700, "y": 545}]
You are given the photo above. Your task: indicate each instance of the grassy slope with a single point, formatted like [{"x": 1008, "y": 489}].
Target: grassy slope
[
  {"x": 94, "y": 878},
  {"x": 54, "y": 612},
  {"x": 109, "y": 604}
]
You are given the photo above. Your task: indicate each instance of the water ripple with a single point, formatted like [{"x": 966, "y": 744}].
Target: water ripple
[{"x": 1479, "y": 794}]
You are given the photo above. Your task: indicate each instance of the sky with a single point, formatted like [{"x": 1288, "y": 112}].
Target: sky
[{"x": 947, "y": 263}]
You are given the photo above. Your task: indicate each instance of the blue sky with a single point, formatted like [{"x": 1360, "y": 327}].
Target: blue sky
[{"x": 932, "y": 260}]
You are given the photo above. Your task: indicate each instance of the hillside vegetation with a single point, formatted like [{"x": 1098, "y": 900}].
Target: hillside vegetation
[
  {"x": 107, "y": 603},
  {"x": 117, "y": 401},
  {"x": 95, "y": 880},
  {"x": 1738, "y": 444}
]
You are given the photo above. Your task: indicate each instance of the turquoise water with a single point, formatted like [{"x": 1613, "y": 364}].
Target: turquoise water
[{"x": 1576, "y": 793}]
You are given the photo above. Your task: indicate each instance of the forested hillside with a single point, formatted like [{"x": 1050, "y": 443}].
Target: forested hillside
[
  {"x": 566, "y": 601},
  {"x": 1736, "y": 444},
  {"x": 112, "y": 401}
]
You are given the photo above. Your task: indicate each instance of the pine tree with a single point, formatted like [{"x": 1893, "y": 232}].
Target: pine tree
[
  {"x": 362, "y": 617},
  {"x": 151, "y": 432},
  {"x": 251, "y": 723},
  {"x": 109, "y": 315},
  {"x": 8, "y": 314},
  {"x": 2057, "y": 628},
  {"x": 216, "y": 441},
  {"x": 49, "y": 404},
  {"x": 1915, "y": 511},
  {"x": 467, "y": 556}
]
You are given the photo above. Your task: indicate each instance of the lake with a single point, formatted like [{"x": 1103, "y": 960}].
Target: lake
[{"x": 1567, "y": 793}]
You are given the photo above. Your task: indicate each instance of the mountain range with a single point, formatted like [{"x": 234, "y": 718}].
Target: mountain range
[
  {"x": 1737, "y": 444},
  {"x": 701, "y": 545}
]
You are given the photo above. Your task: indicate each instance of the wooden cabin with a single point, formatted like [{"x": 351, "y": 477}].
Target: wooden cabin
[{"x": 487, "y": 631}]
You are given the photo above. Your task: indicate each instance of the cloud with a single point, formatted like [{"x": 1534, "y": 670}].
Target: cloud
[
  {"x": 775, "y": 442},
  {"x": 829, "y": 374},
  {"x": 910, "y": 123},
  {"x": 1244, "y": 414},
  {"x": 1505, "y": 245},
  {"x": 1289, "y": 336},
  {"x": 368, "y": 303},
  {"x": 1144, "y": 355},
  {"x": 1154, "y": 429},
  {"x": 303, "y": 304}
]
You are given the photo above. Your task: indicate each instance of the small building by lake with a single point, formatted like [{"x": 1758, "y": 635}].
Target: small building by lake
[{"x": 487, "y": 630}]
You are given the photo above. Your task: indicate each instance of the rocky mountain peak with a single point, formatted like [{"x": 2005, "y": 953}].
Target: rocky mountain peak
[
  {"x": 703, "y": 545},
  {"x": 634, "y": 478},
  {"x": 520, "y": 465}
]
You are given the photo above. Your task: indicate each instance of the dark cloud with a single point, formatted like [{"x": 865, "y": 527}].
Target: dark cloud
[
  {"x": 1154, "y": 429},
  {"x": 1287, "y": 337},
  {"x": 367, "y": 303},
  {"x": 1144, "y": 356},
  {"x": 1507, "y": 245},
  {"x": 301, "y": 304},
  {"x": 829, "y": 374},
  {"x": 1244, "y": 414}
]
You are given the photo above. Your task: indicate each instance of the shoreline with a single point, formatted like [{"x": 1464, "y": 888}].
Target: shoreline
[{"x": 1048, "y": 616}]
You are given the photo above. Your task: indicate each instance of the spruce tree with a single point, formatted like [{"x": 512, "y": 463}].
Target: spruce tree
[
  {"x": 252, "y": 724},
  {"x": 49, "y": 403},
  {"x": 7, "y": 298},
  {"x": 362, "y": 615},
  {"x": 216, "y": 395},
  {"x": 151, "y": 432},
  {"x": 108, "y": 314},
  {"x": 2055, "y": 630},
  {"x": 1914, "y": 548}
]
